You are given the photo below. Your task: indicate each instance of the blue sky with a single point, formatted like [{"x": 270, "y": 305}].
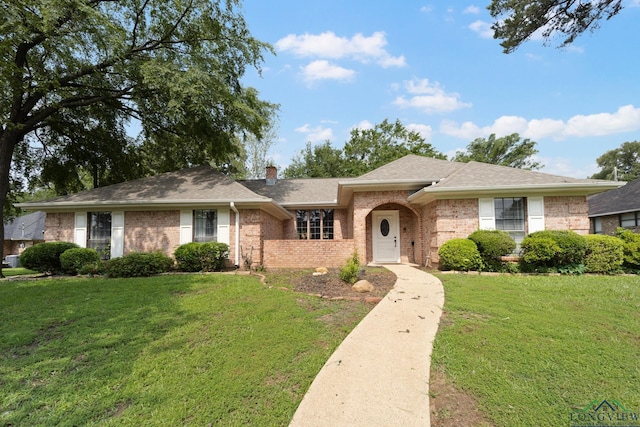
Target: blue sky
[{"x": 435, "y": 66}]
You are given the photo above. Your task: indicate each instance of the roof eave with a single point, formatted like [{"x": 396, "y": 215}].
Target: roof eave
[
  {"x": 266, "y": 204},
  {"x": 429, "y": 194}
]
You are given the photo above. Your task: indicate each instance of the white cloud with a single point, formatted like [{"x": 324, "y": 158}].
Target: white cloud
[
  {"x": 429, "y": 97},
  {"x": 482, "y": 28},
  {"x": 324, "y": 70},
  {"x": 329, "y": 45},
  {"x": 363, "y": 125},
  {"x": 425, "y": 131},
  {"x": 315, "y": 134},
  {"x": 429, "y": 8},
  {"x": 474, "y": 10},
  {"x": 625, "y": 119}
]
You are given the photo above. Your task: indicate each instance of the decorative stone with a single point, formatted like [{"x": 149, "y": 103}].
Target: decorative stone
[
  {"x": 317, "y": 273},
  {"x": 321, "y": 270},
  {"x": 363, "y": 286}
]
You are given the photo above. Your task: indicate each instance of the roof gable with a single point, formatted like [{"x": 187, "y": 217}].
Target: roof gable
[
  {"x": 412, "y": 168},
  {"x": 623, "y": 199},
  {"x": 26, "y": 227}
]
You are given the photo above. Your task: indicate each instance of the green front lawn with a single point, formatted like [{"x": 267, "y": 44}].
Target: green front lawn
[
  {"x": 17, "y": 271},
  {"x": 169, "y": 350},
  {"x": 534, "y": 349}
]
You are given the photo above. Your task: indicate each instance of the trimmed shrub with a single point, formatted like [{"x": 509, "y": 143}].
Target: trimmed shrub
[
  {"x": 604, "y": 254},
  {"x": 349, "y": 271},
  {"x": 493, "y": 244},
  {"x": 194, "y": 256},
  {"x": 75, "y": 259},
  {"x": 565, "y": 254},
  {"x": 460, "y": 254},
  {"x": 139, "y": 264},
  {"x": 630, "y": 248},
  {"x": 539, "y": 251},
  {"x": 45, "y": 257},
  {"x": 187, "y": 257},
  {"x": 213, "y": 256}
]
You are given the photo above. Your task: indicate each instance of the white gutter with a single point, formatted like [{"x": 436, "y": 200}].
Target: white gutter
[{"x": 237, "y": 212}]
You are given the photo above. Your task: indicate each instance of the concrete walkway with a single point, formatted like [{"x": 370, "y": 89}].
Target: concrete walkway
[{"x": 379, "y": 375}]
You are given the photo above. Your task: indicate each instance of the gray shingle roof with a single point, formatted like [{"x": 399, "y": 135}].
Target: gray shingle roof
[
  {"x": 623, "y": 199},
  {"x": 412, "y": 167},
  {"x": 474, "y": 174},
  {"x": 307, "y": 191},
  {"x": 201, "y": 183},
  {"x": 26, "y": 227}
]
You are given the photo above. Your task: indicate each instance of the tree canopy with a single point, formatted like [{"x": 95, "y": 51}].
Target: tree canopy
[
  {"x": 366, "y": 150},
  {"x": 508, "y": 150},
  {"x": 622, "y": 163},
  {"x": 317, "y": 161},
  {"x": 517, "y": 20},
  {"x": 75, "y": 73}
]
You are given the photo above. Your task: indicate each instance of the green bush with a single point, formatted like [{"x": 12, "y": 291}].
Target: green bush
[
  {"x": 539, "y": 251},
  {"x": 604, "y": 254},
  {"x": 187, "y": 257},
  {"x": 349, "y": 272},
  {"x": 139, "y": 264},
  {"x": 460, "y": 254},
  {"x": 493, "y": 244},
  {"x": 630, "y": 248},
  {"x": 45, "y": 257},
  {"x": 73, "y": 260},
  {"x": 210, "y": 256},
  {"x": 565, "y": 254}
]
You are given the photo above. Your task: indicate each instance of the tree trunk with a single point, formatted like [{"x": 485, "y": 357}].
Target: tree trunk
[{"x": 8, "y": 142}]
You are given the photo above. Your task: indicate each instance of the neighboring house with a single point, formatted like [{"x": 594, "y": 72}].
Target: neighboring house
[
  {"x": 401, "y": 212},
  {"x": 23, "y": 232},
  {"x": 616, "y": 208}
]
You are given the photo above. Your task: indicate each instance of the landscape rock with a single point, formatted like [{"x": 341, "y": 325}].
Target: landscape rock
[
  {"x": 363, "y": 286},
  {"x": 323, "y": 270}
]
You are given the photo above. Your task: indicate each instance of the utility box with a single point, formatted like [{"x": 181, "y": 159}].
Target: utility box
[{"x": 13, "y": 260}]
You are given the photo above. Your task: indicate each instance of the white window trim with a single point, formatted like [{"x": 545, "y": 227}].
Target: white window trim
[
  {"x": 223, "y": 226},
  {"x": 80, "y": 229}
]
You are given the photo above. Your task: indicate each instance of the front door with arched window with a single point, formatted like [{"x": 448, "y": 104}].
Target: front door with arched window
[{"x": 386, "y": 236}]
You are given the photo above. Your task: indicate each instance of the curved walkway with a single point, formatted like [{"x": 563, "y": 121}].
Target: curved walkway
[{"x": 379, "y": 375}]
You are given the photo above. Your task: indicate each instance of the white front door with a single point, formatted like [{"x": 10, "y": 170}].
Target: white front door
[{"x": 386, "y": 236}]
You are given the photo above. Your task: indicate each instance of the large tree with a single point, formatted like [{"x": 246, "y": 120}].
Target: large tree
[
  {"x": 518, "y": 20},
  {"x": 71, "y": 70},
  {"x": 622, "y": 163},
  {"x": 368, "y": 149},
  {"x": 317, "y": 161},
  {"x": 257, "y": 150},
  {"x": 508, "y": 150}
]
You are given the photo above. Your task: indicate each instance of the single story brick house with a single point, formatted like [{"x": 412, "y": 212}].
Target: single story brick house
[
  {"x": 616, "y": 208},
  {"x": 401, "y": 212},
  {"x": 23, "y": 232}
]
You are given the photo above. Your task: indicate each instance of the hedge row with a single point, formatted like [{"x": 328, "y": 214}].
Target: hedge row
[
  {"x": 543, "y": 252},
  {"x": 68, "y": 258}
]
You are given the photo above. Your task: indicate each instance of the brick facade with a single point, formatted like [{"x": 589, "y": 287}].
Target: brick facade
[
  {"x": 307, "y": 253},
  {"x": 59, "y": 227},
  {"x": 270, "y": 242},
  {"x": 567, "y": 213},
  {"x": 148, "y": 231}
]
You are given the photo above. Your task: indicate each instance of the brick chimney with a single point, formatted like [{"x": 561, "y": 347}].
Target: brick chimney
[{"x": 272, "y": 175}]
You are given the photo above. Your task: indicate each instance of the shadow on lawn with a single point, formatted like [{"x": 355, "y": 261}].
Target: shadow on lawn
[{"x": 68, "y": 346}]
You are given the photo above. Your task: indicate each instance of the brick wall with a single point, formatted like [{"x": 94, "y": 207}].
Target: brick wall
[
  {"x": 60, "y": 227},
  {"x": 610, "y": 224},
  {"x": 452, "y": 219},
  {"x": 567, "y": 213},
  {"x": 149, "y": 231},
  {"x": 307, "y": 253}
]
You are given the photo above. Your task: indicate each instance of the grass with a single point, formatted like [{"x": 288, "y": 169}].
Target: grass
[
  {"x": 17, "y": 271},
  {"x": 534, "y": 349},
  {"x": 169, "y": 350}
]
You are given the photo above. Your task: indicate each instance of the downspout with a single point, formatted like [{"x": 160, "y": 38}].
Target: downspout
[{"x": 237, "y": 256}]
